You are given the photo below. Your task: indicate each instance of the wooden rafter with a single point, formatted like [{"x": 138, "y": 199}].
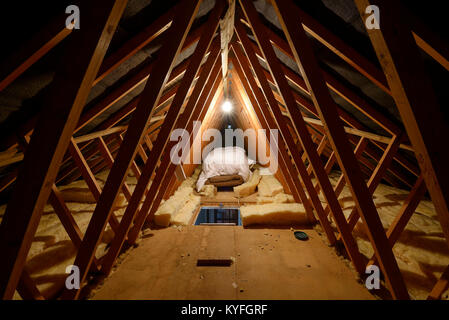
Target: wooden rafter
[
  {"x": 286, "y": 178},
  {"x": 210, "y": 80},
  {"x": 307, "y": 63},
  {"x": 377, "y": 175},
  {"x": 138, "y": 76},
  {"x": 345, "y": 93},
  {"x": 153, "y": 89},
  {"x": 281, "y": 124},
  {"x": 173, "y": 116},
  {"x": 411, "y": 89},
  {"x": 316, "y": 133},
  {"x": 213, "y": 99},
  {"x": 103, "y": 105},
  {"x": 345, "y": 116},
  {"x": 27, "y": 288},
  {"x": 267, "y": 121},
  {"x": 39, "y": 45},
  {"x": 160, "y": 148},
  {"x": 304, "y": 136},
  {"x": 68, "y": 94}
]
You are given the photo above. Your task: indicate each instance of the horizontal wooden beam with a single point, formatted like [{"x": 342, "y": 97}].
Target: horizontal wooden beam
[
  {"x": 98, "y": 134},
  {"x": 361, "y": 133}
]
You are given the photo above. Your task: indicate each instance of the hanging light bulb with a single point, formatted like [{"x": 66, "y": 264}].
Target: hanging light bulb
[{"x": 226, "y": 106}]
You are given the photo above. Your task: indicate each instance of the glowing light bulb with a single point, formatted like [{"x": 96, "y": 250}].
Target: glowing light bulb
[{"x": 227, "y": 106}]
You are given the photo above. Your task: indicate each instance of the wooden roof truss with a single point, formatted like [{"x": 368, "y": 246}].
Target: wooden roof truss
[{"x": 55, "y": 153}]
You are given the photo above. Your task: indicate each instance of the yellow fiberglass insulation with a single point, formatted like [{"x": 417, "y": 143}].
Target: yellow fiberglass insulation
[
  {"x": 249, "y": 187},
  {"x": 52, "y": 250},
  {"x": 183, "y": 217},
  {"x": 208, "y": 190},
  {"x": 273, "y": 214},
  {"x": 279, "y": 198},
  {"x": 421, "y": 251},
  {"x": 183, "y": 202},
  {"x": 269, "y": 186}
]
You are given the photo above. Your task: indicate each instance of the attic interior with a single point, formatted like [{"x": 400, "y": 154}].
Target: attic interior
[{"x": 341, "y": 168}]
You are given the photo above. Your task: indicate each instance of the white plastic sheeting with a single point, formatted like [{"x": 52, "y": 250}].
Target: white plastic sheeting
[{"x": 224, "y": 161}]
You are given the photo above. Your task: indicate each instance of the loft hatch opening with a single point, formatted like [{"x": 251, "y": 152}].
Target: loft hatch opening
[{"x": 214, "y": 216}]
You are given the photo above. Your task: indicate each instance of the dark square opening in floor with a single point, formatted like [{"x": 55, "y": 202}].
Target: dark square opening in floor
[{"x": 218, "y": 215}]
